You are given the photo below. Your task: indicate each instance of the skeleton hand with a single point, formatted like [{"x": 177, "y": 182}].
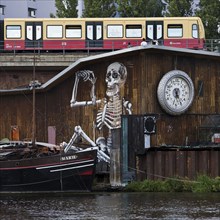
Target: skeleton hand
[
  {"x": 86, "y": 75},
  {"x": 127, "y": 105}
]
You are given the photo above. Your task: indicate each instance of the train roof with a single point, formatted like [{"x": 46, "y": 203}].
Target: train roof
[{"x": 104, "y": 19}]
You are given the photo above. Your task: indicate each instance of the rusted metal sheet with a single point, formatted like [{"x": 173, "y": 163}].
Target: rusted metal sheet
[
  {"x": 170, "y": 163},
  {"x": 183, "y": 163},
  {"x": 191, "y": 164},
  {"x": 149, "y": 169},
  {"x": 214, "y": 163}
]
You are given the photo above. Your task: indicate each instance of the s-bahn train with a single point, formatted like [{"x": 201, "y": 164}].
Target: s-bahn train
[{"x": 99, "y": 33}]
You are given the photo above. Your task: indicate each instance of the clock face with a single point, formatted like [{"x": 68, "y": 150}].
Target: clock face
[{"x": 175, "y": 92}]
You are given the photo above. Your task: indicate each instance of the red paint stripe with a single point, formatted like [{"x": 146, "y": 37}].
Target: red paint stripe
[
  {"x": 87, "y": 173},
  {"x": 14, "y": 44},
  {"x": 107, "y": 44},
  {"x": 184, "y": 43},
  {"x": 64, "y": 44}
]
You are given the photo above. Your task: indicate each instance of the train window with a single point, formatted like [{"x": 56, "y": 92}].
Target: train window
[
  {"x": 54, "y": 31},
  {"x": 133, "y": 31},
  {"x": 2, "y": 9},
  {"x": 195, "y": 32},
  {"x": 114, "y": 31},
  {"x": 98, "y": 32},
  {"x": 175, "y": 30},
  {"x": 150, "y": 31},
  {"x": 13, "y": 31},
  {"x": 32, "y": 12},
  {"x": 73, "y": 31}
]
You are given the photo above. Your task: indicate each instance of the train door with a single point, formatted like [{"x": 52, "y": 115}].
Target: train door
[
  {"x": 94, "y": 34},
  {"x": 33, "y": 35},
  {"x": 154, "y": 31}
]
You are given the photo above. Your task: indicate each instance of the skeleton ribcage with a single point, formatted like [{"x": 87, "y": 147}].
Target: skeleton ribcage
[{"x": 110, "y": 113}]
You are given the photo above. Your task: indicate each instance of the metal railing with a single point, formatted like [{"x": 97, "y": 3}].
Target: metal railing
[{"x": 212, "y": 45}]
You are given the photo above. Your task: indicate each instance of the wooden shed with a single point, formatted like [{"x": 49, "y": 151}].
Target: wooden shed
[{"x": 198, "y": 124}]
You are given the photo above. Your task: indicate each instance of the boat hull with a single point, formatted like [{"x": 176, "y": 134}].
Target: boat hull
[{"x": 60, "y": 172}]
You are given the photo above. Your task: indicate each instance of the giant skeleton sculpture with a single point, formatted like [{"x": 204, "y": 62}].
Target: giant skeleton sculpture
[{"x": 110, "y": 111}]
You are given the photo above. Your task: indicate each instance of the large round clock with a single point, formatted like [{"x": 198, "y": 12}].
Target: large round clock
[{"x": 175, "y": 92}]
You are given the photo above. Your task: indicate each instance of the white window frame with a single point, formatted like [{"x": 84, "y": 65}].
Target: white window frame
[
  {"x": 54, "y": 31},
  {"x": 32, "y": 12},
  {"x": 13, "y": 31},
  {"x": 2, "y": 9},
  {"x": 174, "y": 30},
  {"x": 195, "y": 31},
  {"x": 133, "y": 31},
  {"x": 73, "y": 31},
  {"x": 115, "y": 31}
]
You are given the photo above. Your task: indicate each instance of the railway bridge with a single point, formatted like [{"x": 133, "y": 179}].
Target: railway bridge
[
  {"x": 15, "y": 67},
  {"x": 41, "y": 59}
]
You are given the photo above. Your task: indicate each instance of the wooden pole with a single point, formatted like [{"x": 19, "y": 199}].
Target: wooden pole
[{"x": 34, "y": 112}]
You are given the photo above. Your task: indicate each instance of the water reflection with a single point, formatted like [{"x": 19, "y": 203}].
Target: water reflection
[{"x": 110, "y": 206}]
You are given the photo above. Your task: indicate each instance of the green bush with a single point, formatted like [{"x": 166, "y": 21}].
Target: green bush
[
  {"x": 152, "y": 186},
  {"x": 202, "y": 184},
  {"x": 174, "y": 185},
  {"x": 206, "y": 184},
  {"x": 216, "y": 184}
]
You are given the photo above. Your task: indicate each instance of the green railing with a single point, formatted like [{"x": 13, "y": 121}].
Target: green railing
[{"x": 212, "y": 45}]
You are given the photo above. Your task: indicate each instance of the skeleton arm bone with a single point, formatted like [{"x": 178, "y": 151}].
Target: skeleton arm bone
[
  {"x": 85, "y": 75},
  {"x": 83, "y": 103},
  {"x": 128, "y": 106}
]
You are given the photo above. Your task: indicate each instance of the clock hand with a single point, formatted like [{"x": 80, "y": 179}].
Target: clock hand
[{"x": 176, "y": 93}]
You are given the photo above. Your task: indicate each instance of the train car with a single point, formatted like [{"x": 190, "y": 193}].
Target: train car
[{"x": 101, "y": 33}]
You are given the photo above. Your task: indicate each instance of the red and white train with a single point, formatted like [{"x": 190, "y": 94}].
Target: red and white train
[{"x": 99, "y": 33}]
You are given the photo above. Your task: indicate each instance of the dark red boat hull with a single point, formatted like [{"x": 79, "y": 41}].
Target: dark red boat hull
[{"x": 60, "y": 172}]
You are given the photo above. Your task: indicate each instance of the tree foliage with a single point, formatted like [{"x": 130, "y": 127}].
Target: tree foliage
[
  {"x": 99, "y": 8},
  {"x": 179, "y": 8},
  {"x": 209, "y": 10},
  {"x": 140, "y": 8},
  {"x": 66, "y": 8}
]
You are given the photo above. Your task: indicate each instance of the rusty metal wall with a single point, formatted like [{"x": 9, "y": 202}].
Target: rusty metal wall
[{"x": 184, "y": 163}]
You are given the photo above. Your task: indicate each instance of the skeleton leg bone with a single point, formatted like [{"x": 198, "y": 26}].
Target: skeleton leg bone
[
  {"x": 80, "y": 133},
  {"x": 70, "y": 144}
]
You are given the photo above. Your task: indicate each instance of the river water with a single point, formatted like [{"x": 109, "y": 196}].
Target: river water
[{"x": 107, "y": 206}]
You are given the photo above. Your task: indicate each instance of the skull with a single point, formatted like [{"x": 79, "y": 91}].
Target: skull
[{"x": 115, "y": 78}]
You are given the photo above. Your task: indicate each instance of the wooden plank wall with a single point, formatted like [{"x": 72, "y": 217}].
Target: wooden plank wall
[
  {"x": 145, "y": 69},
  {"x": 17, "y": 77}
]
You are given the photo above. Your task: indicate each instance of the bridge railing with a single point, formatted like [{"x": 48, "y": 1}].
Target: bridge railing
[{"x": 212, "y": 45}]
